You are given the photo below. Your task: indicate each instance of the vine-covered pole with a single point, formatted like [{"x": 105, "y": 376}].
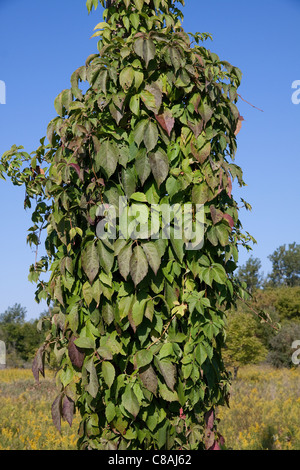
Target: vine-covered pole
[{"x": 138, "y": 312}]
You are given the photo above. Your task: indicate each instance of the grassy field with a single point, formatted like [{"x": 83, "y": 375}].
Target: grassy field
[
  {"x": 25, "y": 414},
  {"x": 264, "y": 412}
]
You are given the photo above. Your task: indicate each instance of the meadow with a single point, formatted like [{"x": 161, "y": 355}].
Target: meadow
[{"x": 264, "y": 412}]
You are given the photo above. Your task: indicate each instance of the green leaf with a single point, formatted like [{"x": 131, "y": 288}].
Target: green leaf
[
  {"x": 93, "y": 385},
  {"x": 222, "y": 232},
  {"x": 145, "y": 48},
  {"x": 177, "y": 245},
  {"x": 166, "y": 350},
  {"x": 108, "y": 372},
  {"x": 129, "y": 181},
  {"x": 139, "y": 197},
  {"x": 139, "y": 131},
  {"x": 152, "y": 97},
  {"x": 200, "y": 354},
  {"x": 143, "y": 358},
  {"x": 166, "y": 393},
  {"x": 105, "y": 353},
  {"x": 135, "y": 20},
  {"x": 106, "y": 257},
  {"x": 90, "y": 261},
  {"x": 58, "y": 294},
  {"x": 134, "y": 104},
  {"x": 152, "y": 254},
  {"x": 110, "y": 412},
  {"x": 138, "y": 265},
  {"x": 63, "y": 100},
  {"x": 107, "y": 158},
  {"x": 148, "y": 99},
  {"x": 212, "y": 236},
  {"x": 85, "y": 343},
  {"x": 97, "y": 291},
  {"x": 142, "y": 166},
  {"x": 130, "y": 401},
  {"x": 108, "y": 313},
  {"x": 87, "y": 292},
  {"x": 126, "y": 78},
  {"x": 168, "y": 371},
  {"x": 124, "y": 260},
  {"x": 149, "y": 310},
  {"x": 138, "y": 310},
  {"x": 101, "y": 81},
  {"x": 205, "y": 111},
  {"x": 219, "y": 274},
  {"x": 139, "y": 4},
  {"x": 206, "y": 275},
  {"x": 175, "y": 57},
  {"x": 150, "y": 135},
  {"x": 159, "y": 164},
  {"x": 201, "y": 193}
]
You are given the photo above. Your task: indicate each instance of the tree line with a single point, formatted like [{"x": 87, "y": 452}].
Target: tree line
[
  {"x": 249, "y": 338},
  {"x": 21, "y": 337}
]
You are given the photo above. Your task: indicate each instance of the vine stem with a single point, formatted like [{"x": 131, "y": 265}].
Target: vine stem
[
  {"x": 163, "y": 333},
  {"x": 257, "y": 314},
  {"x": 250, "y": 103}
]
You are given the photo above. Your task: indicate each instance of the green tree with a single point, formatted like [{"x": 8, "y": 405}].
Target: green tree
[
  {"x": 250, "y": 273},
  {"x": 137, "y": 325},
  {"x": 15, "y": 314},
  {"x": 280, "y": 353},
  {"x": 285, "y": 266},
  {"x": 243, "y": 345},
  {"x": 21, "y": 337}
]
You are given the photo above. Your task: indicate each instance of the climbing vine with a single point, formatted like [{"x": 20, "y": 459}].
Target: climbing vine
[{"x": 137, "y": 323}]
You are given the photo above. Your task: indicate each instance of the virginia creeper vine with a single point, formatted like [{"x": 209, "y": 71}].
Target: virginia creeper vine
[{"x": 138, "y": 325}]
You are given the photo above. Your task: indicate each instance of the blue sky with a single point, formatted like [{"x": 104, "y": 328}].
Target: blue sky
[{"x": 42, "y": 43}]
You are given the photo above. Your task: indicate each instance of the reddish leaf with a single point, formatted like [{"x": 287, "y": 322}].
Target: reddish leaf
[
  {"x": 68, "y": 410},
  {"x": 196, "y": 99},
  {"x": 181, "y": 414},
  {"x": 56, "y": 412},
  {"x": 229, "y": 186},
  {"x": 76, "y": 354},
  {"x": 216, "y": 214},
  {"x": 239, "y": 124},
  {"x": 38, "y": 363},
  {"x": 229, "y": 220},
  {"x": 196, "y": 127},
  {"x": 215, "y": 446},
  {"x": 209, "y": 419},
  {"x": 209, "y": 433},
  {"x": 166, "y": 121},
  {"x": 156, "y": 92},
  {"x": 149, "y": 379}
]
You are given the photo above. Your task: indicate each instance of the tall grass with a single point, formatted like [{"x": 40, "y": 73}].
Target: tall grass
[
  {"x": 264, "y": 411},
  {"x": 25, "y": 414}
]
